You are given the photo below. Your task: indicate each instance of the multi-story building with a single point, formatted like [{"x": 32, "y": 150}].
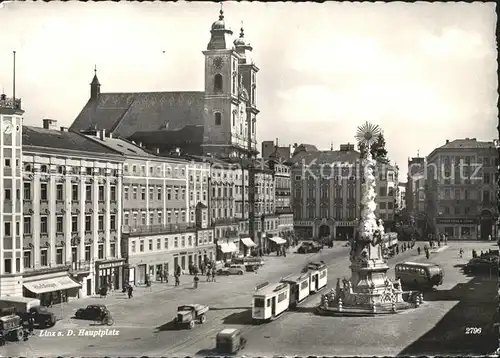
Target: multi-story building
[
  {"x": 326, "y": 192},
  {"x": 415, "y": 170},
  {"x": 461, "y": 182},
  {"x": 159, "y": 234},
  {"x": 71, "y": 214},
  {"x": 386, "y": 191},
  {"x": 11, "y": 228},
  {"x": 401, "y": 197}
]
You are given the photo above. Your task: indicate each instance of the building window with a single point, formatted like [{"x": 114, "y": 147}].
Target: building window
[
  {"x": 8, "y": 265},
  {"x": 74, "y": 192},
  {"x": 158, "y": 193},
  {"x": 165, "y": 243},
  {"x": 133, "y": 246},
  {"x": 101, "y": 193},
  {"x": 88, "y": 252},
  {"x": 141, "y": 246},
  {"x": 88, "y": 223},
  {"x": 112, "y": 249},
  {"x": 176, "y": 194},
  {"x": 150, "y": 245},
  {"x": 43, "y": 192},
  {"x": 134, "y": 193},
  {"x": 27, "y": 259},
  {"x": 158, "y": 244},
  {"x": 151, "y": 193},
  {"x": 218, "y": 118},
  {"x": 169, "y": 194},
  {"x": 59, "y": 192},
  {"x": 143, "y": 193},
  {"x": 88, "y": 192},
  {"x": 112, "y": 193},
  {"x": 143, "y": 219},
  {"x": 43, "y": 225},
  {"x": 176, "y": 242},
  {"x": 160, "y": 221},
  {"x": 125, "y": 193},
  {"x": 27, "y": 224},
  {"x": 7, "y": 162},
  {"x": 218, "y": 83},
  {"x": 59, "y": 224},
  {"x": 27, "y": 191},
  {"x": 100, "y": 222},
  {"x": 383, "y": 191},
  {"x": 190, "y": 240},
  {"x": 44, "y": 258},
  {"x": 59, "y": 256},
  {"x": 112, "y": 222},
  {"x": 100, "y": 252},
  {"x": 7, "y": 228},
  {"x": 126, "y": 218},
  {"x": 74, "y": 224}
]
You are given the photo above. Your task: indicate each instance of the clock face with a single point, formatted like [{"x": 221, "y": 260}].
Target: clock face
[
  {"x": 218, "y": 62},
  {"x": 7, "y": 127}
]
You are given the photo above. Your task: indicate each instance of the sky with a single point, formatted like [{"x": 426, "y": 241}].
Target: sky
[{"x": 424, "y": 72}]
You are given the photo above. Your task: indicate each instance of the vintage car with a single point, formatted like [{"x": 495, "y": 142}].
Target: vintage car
[
  {"x": 11, "y": 328},
  {"x": 251, "y": 264},
  {"x": 231, "y": 270},
  {"x": 91, "y": 312},
  {"x": 307, "y": 247},
  {"x": 482, "y": 265},
  {"x": 187, "y": 315},
  {"x": 229, "y": 341}
]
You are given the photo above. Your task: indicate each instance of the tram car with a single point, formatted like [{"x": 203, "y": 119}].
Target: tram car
[
  {"x": 270, "y": 300},
  {"x": 318, "y": 273},
  {"x": 299, "y": 288}
]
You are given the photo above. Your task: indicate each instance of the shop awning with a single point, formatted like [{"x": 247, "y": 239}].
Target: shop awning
[
  {"x": 277, "y": 240},
  {"x": 248, "y": 242},
  {"x": 228, "y": 247},
  {"x": 51, "y": 285}
]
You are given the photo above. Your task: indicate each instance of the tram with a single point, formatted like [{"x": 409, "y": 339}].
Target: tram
[
  {"x": 299, "y": 288},
  {"x": 270, "y": 300},
  {"x": 318, "y": 273}
]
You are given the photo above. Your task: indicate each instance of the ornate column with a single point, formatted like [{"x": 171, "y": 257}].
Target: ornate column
[{"x": 51, "y": 215}]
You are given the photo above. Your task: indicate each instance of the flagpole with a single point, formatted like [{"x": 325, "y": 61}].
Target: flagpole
[{"x": 14, "y": 82}]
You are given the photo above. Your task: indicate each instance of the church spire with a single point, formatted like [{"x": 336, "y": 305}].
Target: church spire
[
  {"x": 95, "y": 86},
  {"x": 220, "y": 36}
]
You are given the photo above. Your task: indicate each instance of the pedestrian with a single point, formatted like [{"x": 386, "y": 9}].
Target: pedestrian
[
  {"x": 208, "y": 275},
  {"x": 461, "y": 252},
  {"x": 195, "y": 281},
  {"x": 177, "y": 280},
  {"x": 166, "y": 276},
  {"x": 427, "y": 255},
  {"x": 213, "y": 274},
  {"x": 190, "y": 268},
  {"x": 418, "y": 250},
  {"x": 397, "y": 249},
  {"x": 130, "y": 291},
  {"x": 31, "y": 323}
]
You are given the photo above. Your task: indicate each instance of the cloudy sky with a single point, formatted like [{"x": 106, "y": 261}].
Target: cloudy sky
[{"x": 423, "y": 72}]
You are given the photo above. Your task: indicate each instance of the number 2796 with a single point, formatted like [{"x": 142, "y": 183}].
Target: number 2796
[{"x": 473, "y": 330}]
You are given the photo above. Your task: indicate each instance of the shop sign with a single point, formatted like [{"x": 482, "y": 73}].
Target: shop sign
[
  {"x": 110, "y": 265},
  {"x": 456, "y": 221},
  {"x": 48, "y": 284},
  {"x": 345, "y": 223}
]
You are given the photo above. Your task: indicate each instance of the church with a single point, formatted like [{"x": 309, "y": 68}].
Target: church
[{"x": 218, "y": 122}]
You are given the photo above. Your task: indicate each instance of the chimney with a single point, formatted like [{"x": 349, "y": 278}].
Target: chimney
[
  {"x": 157, "y": 150},
  {"x": 50, "y": 124},
  {"x": 110, "y": 135},
  {"x": 102, "y": 134},
  {"x": 277, "y": 143},
  {"x": 140, "y": 144},
  {"x": 64, "y": 129},
  {"x": 447, "y": 141}
]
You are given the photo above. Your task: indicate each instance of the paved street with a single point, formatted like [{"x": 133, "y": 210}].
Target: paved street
[{"x": 144, "y": 330}]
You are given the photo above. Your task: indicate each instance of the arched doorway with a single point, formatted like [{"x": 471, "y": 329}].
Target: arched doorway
[
  {"x": 486, "y": 224},
  {"x": 324, "y": 231}
]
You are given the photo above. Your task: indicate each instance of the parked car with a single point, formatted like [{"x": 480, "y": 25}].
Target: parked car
[
  {"x": 307, "y": 247},
  {"x": 92, "y": 312},
  {"x": 187, "y": 315},
  {"x": 483, "y": 265},
  {"x": 231, "y": 270},
  {"x": 11, "y": 327}
]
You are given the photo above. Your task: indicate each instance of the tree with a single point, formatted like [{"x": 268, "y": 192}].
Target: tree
[{"x": 379, "y": 153}]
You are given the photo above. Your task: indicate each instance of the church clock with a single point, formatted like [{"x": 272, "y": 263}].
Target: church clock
[{"x": 218, "y": 63}]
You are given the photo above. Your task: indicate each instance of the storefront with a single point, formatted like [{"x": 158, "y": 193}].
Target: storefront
[
  {"x": 226, "y": 250},
  {"x": 275, "y": 243},
  {"x": 458, "y": 228},
  {"x": 109, "y": 274},
  {"x": 247, "y": 245},
  {"x": 51, "y": 288}
]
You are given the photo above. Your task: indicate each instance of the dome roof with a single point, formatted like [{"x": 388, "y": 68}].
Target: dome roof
[{"x": 219, "y": 24}]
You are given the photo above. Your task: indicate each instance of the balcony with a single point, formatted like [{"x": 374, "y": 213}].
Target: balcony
[
  {"x": 81, "y": 266},
  {"x": 157, "y": 229},
  {"x": 225, "y": 221}
]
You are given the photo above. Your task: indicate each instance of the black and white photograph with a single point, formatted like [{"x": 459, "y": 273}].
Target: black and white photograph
[{"x": 193, "y": 179}]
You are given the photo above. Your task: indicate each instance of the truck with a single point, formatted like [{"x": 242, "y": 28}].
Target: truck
[
  {"x": 11, "y": 327},
  {"x": 25, "y": 307}
]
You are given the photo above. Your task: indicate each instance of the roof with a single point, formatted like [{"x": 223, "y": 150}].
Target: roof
[
  {"x": 295, "y": 277},
  {"x": 280, "y": 153},
  {"x": 123, "y": 146},
  {"x": 418, "y": 264},
  {"x": 304, "y": 148},
  {"x": 200, "y": 205},
  {"x": 325, "y": 157},
  {"x": 228, "y": 331},
  {"x": 54, "y": 139},
  {"x": 267, "y": 289},
  {"x": 467, "y": 143},
  {"x": 126, "y": 113},
  {"x": 164, "y": 138}
]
